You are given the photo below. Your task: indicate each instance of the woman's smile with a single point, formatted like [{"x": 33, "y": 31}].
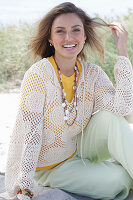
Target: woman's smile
[{"x": 69, "y": 47}]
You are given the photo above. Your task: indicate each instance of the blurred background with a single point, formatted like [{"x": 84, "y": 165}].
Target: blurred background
[{"x": 17, "y": 21}]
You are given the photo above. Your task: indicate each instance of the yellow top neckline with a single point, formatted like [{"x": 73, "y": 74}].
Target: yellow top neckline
[
  {"x": 52, "y": 61},
  {"x": 67, "y": 81}
]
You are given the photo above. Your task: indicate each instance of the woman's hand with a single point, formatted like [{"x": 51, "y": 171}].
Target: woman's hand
[{"x": 120, "y": 37}]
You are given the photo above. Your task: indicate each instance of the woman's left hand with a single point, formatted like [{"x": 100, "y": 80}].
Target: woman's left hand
[{"x": 120, "y": 37}]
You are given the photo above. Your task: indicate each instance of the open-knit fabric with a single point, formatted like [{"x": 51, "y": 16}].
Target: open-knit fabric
[{"x": 41, "y": 137}]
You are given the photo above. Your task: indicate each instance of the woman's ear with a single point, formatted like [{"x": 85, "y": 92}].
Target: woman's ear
[{"x": 50, "y": 41}]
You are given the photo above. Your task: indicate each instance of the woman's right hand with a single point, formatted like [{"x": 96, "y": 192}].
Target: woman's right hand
[{"x": 120, "y": 36}]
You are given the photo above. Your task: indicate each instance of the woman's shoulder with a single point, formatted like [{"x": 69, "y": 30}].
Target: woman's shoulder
[
  {"x": 41, "y": 68},
  {"x": 40, "y": 65},
  {"x": 90, "y": 67}
]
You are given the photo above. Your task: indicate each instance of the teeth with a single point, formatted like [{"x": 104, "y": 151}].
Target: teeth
[{"x": 69, "y": 46}]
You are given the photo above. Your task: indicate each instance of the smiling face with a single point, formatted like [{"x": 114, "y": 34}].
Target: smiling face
[{"x": 67, "y": 35}]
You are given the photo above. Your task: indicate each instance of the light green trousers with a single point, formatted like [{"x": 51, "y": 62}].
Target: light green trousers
[{"x": 106, "y": 136}]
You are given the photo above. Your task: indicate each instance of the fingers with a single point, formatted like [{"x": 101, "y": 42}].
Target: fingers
[{"x": 118, "y": 27}]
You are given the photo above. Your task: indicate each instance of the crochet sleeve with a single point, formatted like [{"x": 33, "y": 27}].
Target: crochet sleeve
[
  {"x": 26, "y": 139},
  {"x": 119, "y": 99}
]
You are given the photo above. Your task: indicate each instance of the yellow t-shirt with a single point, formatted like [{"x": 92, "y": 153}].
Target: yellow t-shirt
[{"x": 68, "y": 83}]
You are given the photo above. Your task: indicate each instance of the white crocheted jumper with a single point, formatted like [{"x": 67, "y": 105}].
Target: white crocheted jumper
[{"x": 41, "y": 137}]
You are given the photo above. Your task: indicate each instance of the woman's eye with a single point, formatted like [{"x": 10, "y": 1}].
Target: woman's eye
[
  {"x": 60, "y": 31},
  {"x": 76, "y": 30}
]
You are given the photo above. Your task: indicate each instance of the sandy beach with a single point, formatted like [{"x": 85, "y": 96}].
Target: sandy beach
[{"x": 8, "y": 109}]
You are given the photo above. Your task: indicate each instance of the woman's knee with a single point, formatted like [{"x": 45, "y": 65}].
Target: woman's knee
[
  {"x": 101, "y": 120},
  {"x": 103, "y": 114}
]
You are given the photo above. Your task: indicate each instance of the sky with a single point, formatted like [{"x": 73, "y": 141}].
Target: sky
[{"x": 14, "y": 11}]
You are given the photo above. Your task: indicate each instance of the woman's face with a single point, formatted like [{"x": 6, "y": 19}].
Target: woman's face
[{"x": 67, "y": 35}]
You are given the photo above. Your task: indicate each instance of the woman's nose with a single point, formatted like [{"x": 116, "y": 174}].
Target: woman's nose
[{"x": 68, "y": 36}]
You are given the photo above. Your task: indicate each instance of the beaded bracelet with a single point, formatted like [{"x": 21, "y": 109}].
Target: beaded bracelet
[{"x": 26, "y": 192}]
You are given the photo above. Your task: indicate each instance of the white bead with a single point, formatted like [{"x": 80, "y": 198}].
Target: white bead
[
  {"x": 67, "y": 112},
  {"x": 74, "y": 87},
  {"x": 63, "y": 105},
  {"x": 76, "y": 107},
  {"x": 75, "y": 103},
  {"x": 64, "y": 94},
  {"x": 65, "y": 118}
]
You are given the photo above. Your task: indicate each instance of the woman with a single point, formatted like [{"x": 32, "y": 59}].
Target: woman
[{"x": 57, "y": 139}]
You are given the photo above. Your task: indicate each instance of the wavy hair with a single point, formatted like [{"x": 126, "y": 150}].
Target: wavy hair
[{"x": 40, "y": 45}]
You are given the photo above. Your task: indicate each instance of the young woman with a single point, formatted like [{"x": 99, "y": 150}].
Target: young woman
[{"x": 60, "y": 139}]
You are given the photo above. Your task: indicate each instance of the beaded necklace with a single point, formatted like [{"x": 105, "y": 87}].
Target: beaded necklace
[{"x": 63, "y": 95}]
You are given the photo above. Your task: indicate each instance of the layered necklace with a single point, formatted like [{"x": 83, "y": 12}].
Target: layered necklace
[{"x": 63, "y": 95}]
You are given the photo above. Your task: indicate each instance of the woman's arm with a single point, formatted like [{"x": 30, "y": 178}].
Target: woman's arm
[
  {"x": 119, "y": 99},
  {"x": 26, "y": 139}
]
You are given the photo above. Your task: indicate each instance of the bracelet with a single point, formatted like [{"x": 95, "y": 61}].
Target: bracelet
[{"x": 26, "y": 192}]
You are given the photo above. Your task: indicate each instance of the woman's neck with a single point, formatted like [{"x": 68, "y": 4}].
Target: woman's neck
[{"x": 66, "y": 65}]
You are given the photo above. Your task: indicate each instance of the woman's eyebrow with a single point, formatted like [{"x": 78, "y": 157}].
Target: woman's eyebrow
[
  {"x": 64, "y": 27},
  {"x": 75, "y": 26},
  {"x": 60, "y": 27}
]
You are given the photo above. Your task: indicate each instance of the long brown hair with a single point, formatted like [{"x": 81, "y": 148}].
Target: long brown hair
[{"x": 40, "y": 45}]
